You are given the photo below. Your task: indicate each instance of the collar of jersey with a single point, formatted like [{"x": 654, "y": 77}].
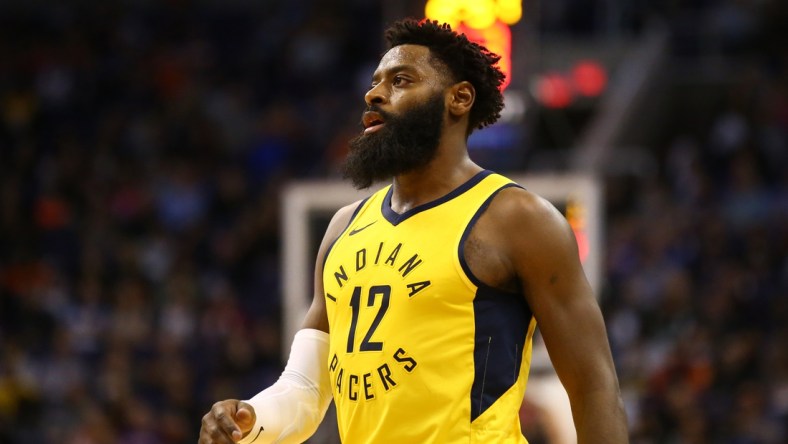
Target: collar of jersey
[{"x": 395, "y": 218}]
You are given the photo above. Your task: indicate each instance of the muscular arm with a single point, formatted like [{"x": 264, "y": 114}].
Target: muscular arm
[
  {"x": 231, "y": 420},
  {"x": 533, "y": 243}
]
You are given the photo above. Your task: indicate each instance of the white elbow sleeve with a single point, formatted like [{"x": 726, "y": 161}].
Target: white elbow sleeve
[{"x": 291, "y": 409}]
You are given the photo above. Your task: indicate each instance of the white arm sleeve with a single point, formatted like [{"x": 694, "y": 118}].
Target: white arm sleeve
[{"x": 291, "y": 409}]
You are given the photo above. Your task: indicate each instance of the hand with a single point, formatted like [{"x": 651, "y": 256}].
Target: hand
[{"x": 227, "y": 422}]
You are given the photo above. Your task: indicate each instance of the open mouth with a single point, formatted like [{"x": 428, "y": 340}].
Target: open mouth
[{"x": 372, "y": 122}]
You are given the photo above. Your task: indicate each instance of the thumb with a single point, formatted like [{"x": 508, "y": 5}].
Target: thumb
[{"x": 245, "y": 419}]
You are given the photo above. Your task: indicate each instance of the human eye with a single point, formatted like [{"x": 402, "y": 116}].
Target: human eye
[{"x": 399, "y": 80}]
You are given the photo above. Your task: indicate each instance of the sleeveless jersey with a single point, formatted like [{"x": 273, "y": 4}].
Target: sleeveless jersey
[{"x": 420, "y": 350}]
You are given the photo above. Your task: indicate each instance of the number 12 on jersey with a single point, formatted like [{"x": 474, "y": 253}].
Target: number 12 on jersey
[{"x": 355, "y": 304}]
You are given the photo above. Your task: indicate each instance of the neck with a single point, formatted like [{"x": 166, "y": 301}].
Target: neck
[{"x": 450, "y": 168}]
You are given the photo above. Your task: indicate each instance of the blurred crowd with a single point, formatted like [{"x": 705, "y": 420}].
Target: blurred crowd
[
  {"x": 696, "y": 296},
  {"x": 142, "y": 151},
  {"x": 696, "y": 300}
]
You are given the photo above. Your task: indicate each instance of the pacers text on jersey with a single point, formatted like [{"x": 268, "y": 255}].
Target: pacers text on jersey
[{"x": 366, "y": 386}]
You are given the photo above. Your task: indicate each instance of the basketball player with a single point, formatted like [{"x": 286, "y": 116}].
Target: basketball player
[{"x": 428, "y": 292}]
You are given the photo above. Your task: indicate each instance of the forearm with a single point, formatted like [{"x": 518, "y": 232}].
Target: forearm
[
  {"x": 600, "y": 418},
  {"x": 291, "y": 410}
]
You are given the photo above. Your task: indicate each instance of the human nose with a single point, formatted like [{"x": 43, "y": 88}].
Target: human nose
[{"x": 375, "y": 95}]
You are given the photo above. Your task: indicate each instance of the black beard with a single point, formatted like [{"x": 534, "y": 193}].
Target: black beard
[{"x": 406, "y": 143}]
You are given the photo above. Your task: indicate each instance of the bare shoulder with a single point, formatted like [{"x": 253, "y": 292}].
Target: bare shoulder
[
  {"x": 516, "y": 228},
  {"x": 532, "y": 235},
  {"x": 536, "y": 240},
  {"x": 520, "y": 202},
  {"x": 340, "y": 221},
  {"x": 516, "y": 209}
]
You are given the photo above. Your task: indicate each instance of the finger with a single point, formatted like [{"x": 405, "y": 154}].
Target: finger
[
  {"x": 211, "y": 433},
  {"x": 224, "y": 415},
  {"x": 244, "y": 418}
]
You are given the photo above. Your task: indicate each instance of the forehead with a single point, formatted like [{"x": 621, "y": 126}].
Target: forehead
[{"x": 415, "y": 57}]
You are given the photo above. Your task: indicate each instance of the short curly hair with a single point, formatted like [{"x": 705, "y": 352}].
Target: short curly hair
[{"x": 465, "y": 60}]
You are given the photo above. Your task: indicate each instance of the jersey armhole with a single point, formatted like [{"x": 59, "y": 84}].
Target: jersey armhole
[
  {"x": 349, "y": 222},
  {"x": 461, "y": 248}
]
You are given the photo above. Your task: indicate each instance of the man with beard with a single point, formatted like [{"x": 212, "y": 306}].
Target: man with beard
[
  {"x": 431, "y": 288},
  {"x": 403, "y": 144}
]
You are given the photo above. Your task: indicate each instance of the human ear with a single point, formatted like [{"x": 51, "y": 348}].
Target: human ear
[{"x": 461, "y": 97}]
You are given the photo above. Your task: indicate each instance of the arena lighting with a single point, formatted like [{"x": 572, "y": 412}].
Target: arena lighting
[
  {"x": 575, "y": 215},
  {"x": 553, "y": 90},
  {"x": 587, "y": 78},
  {"x": 498, "y": 39},
  {"x": 477, "y": 14},
  {"x": 485, "y": 22}
]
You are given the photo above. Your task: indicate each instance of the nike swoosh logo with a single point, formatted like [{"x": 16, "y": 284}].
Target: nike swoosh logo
[
  {"x": 358, "y": 230},
  {"x": 258, "y": 433}
]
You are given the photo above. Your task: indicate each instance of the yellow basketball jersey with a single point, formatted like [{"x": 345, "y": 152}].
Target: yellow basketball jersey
[{"x": 420, "y": 350}]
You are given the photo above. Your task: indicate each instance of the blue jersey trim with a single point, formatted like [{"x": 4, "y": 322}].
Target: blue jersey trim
[
  {"x": 395, "y": 218},
  {"x": 467, "y": 232},
  {"x": 501, "y": 323},
  {"x": 501, "y": 320}
]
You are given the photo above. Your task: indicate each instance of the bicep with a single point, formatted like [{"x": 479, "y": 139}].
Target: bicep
[
  {"x": 574, "y": 333},
  {"x": 546, "y": 261},
  {"x": 316, "y": 317}
]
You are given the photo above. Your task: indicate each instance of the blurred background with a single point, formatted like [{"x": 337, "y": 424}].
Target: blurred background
[{"x": 144, "y": 147}]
